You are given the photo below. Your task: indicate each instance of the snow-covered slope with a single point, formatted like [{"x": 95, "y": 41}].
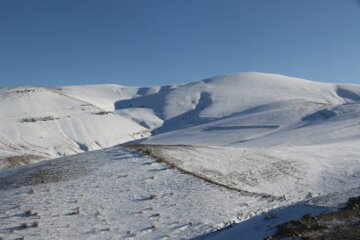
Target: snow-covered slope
[
  {"x": 291, "y": 173},
  {"x": 44, "y": 123},
  {"x": 106, "y": 95},
  {"x": 234, "y": 98},
  {"x": 286, "y": 123},
  {"x": 115, "y": 194},
  {"x": 118, "y": 193},
  {"x": 251, "y": 142},
  {"x": 222, "y": 96},
  {"x": 236, "y": 108}
]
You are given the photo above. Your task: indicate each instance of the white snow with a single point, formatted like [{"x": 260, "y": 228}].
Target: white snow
[
  {"x": 106, "y": 95},
  {"x": 143, "y": 116},
  {"x": 42, "y": 122},
  {"x": 120, "y": 195},
  {"x": 261, "y": 141},
  {"x": 292, "y": 172}
]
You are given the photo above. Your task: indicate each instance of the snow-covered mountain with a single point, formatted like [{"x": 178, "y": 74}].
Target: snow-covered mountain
[
  {"x": 251, "y": 109},
  {"x": 238, "y": 145},
  {"x": 255, "y": 103}
]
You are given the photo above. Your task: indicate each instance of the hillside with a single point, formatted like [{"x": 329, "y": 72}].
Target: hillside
[
  {"x": 251, "y": 109},
  {"x": 39, "y": 123},
  {"x": 250, "y": 149}
]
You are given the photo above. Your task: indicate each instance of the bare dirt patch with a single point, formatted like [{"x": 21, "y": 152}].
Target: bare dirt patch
[
  {"x": 44, "y": 172},
  {"x": 20, "y": 160}
]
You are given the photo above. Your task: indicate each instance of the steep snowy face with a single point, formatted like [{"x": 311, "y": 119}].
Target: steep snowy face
[{"x": 44, "y": 123}]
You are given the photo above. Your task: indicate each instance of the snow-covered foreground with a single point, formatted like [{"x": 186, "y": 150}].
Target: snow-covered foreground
[{"x": 116, "y": 194}]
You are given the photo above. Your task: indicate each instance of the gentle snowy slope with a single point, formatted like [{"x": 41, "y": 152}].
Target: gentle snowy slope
[
  {"x": 244, "y": 126},
  {"x": 116, "y": 194},
  {"x": 41, "y": 122},
  {"x": 333, "y": 124},
  {"x": 292, "y": 173},
  {"x": 286, "y": 123}
]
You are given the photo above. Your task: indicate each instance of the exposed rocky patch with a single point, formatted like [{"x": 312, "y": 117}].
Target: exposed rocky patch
[{"x": 343, "y": 224}]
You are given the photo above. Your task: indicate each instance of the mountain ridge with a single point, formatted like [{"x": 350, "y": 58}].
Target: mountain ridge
[{"x": 230, "y": 110}]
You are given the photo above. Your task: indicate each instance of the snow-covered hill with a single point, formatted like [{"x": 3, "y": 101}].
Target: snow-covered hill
[
  {"x": 38, "y": 123},
  {"x": 223, "y": 96},
  {"x": 247, "y": 109},
  {"x": 286, "y": 123},
  {"x": 237, "y": 145},
  {"x": 106, "y": 95},
  {"x": 251, "y": 109}
]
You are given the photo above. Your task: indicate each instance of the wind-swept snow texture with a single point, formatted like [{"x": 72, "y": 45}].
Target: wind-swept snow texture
[{"x": 40, "y": 122}]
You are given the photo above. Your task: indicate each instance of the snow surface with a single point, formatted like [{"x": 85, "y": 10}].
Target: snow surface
[
  {"x": 251, "y": 143},
  {"x": 293, "y": 173},
  {"x": 223, "y": 96},
  {"x": 143, "y": 116},
  {"x": 106, "y": 95},
  {"x": 121, "y": 195},
  {"x": 42, "y": 122}
]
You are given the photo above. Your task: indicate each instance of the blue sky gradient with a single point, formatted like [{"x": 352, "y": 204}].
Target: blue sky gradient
[{"x": 142, "y": 42}]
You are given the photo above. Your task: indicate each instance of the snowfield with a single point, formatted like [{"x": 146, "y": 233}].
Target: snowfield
[
  {"x": 120, "y": 195},
  {"x": 249, "y": 149},
  {"x": 285, "y": 173}
]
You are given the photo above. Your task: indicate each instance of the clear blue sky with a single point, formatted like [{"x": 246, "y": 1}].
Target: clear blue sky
[{"x": 154, "y": 42}]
